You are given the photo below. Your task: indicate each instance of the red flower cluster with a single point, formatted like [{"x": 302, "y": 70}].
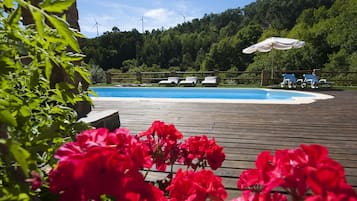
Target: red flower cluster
[
  {"x": 103, "y": 163},
  {"x": 162, "y": 142},
  {"x": 306, "y": 173},
  {"x": 196, "y": 186},
  {"x": 109, "y": 163},
  {"x": 196, "y": 151}
]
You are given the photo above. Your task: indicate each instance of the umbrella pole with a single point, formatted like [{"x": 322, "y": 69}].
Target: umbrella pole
[{"x": 272, "y": 65}]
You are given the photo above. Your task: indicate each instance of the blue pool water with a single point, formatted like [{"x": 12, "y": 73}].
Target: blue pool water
[{"x": 198, "y": 93}]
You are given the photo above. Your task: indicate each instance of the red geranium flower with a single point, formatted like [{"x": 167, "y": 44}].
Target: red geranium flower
[
  {"x": 315, "y": 152},
  {"x": 262, "y": 178},
  {"x": 328, "y": 184},
  {"x": 197, "y": 151},
  {"x": 215, "y": 155},
  {"x": 162, "y": 140},
  {"x": 299, "y": 171},
  {"x": 196, "y": 186},
  {"x": 289, "y": 169},
  {"x": 254, "y": 196},
  {"x": 103, "y": 163},
  {"x": 250, "y": 179}
]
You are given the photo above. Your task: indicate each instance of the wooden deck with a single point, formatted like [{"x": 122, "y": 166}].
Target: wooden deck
[{"x": 244, "y": 130}]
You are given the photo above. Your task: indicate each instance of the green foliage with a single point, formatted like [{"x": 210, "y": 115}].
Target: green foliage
[
  {"x": 97, "y": 74},
  {"x": 216, "y": 41},
  {"x": 58, "y": 6},
  {"x": 329, "y": 35},
  {"x": 36, "y": 114},
  {"x": 112, "y": 48}
]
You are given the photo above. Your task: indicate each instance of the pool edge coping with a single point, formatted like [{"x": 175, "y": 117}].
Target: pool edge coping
[{"x": 293, "y": 101}]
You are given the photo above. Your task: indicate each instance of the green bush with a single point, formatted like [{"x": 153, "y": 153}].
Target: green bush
[{"x": 36, "y": 114}]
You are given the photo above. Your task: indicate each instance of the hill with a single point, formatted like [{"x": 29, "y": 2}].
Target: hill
[{"x": 215, "y": 41}]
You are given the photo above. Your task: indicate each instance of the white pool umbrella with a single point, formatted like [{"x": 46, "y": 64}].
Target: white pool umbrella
[{"x": 274, "y": 43}]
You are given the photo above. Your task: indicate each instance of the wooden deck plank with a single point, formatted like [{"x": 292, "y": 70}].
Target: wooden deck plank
[{"x": 244, "y": 130}]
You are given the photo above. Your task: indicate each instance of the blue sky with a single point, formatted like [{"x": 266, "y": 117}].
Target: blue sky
[{"x": 128, "y": 14}]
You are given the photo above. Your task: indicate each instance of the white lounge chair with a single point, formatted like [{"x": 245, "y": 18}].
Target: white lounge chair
[
  {"x": 189, "y": 81},
  {"x": 209, "y": 81},
  {"x": 170, "y": 81},
  {"x": 290, "y": 81}
]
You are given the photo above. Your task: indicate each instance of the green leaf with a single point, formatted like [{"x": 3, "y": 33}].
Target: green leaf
[
  {"x": 39, "y": 20},
  {"x": 70, "y": 57},
  {"x": 48, "y": 68},
  {"x": 63, "y": 29},
  {"x": 8, "y": 3},
  {"x": 25, "y": 111},
  {"x": 7, "y": 118},
  {"x": 23, "y": 197},
  {"x": 21, "y": 155},
  {"x": 83, "y": 73},
  {"x": 14, "y": 17},
  {"x": 56, "y": 6},
  {"x": 7, "y": 64},
  {"x": 79, "y": 34}
]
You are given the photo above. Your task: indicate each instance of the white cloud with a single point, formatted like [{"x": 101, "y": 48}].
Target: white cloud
[
  {"x": 160, "y": 14},
  {"x": 159, "y": 18}
]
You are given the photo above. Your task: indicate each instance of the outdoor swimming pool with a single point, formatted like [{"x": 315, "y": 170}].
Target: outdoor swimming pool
[{"x": 232, "y": 95}]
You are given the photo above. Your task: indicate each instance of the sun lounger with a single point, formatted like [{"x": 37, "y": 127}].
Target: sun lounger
[
  {"x": 314, "y": 82},
  {"x": 172, "y": 81},
  {"x": 210, "y": 81},
  {"x": 325, "y": 83},
  {"x": 189, "y": 82},
  {"x": 289, "y": 80},
  {"x": 311, "y": 80}
]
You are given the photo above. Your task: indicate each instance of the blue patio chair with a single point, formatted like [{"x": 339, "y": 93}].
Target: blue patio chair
[
  {"x": 311, "y": 80},
  {"x": 289, "y": 80},
  {"x": 314, "y": 81}
]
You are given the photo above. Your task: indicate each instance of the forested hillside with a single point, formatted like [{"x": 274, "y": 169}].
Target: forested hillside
[{"x": 215, "y": 41}]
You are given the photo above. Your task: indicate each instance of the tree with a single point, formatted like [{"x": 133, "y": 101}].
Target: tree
[
  {"x": 115, "y": 29},
  {"x": 128, "y": 64},
  {"x": 215, "y": 41},
  {"x": 199, "y": 59},
  {"x": 187, "y": 61}
]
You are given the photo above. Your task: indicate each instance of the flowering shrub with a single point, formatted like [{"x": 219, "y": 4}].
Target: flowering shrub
[
  {"x": 102, "y": 163},
  {"x": 305, "y": 173},
  {"x": 39, "y": 86},
  {"x": 109, "y": 163}
]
